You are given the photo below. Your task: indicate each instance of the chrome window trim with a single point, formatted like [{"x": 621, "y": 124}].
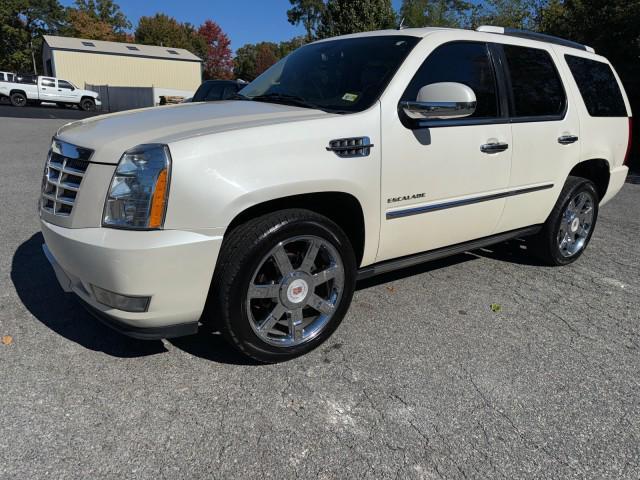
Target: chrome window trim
[{"x": 434, "y": 207}]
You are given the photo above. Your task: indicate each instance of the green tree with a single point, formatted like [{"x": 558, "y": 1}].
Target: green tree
[
  {"x": 307, "y": 12},
  {"x": 105, "y": 11},
  {"x": 253, "y": 59},
  {"x": 611, "y": 28},
  {"x": 22, "y": 24},
  {"x": 341, "y": 17},
  {"x": 244, "y": 63},
  {"x": 521, "y": 14},
  {"x": 97, "y": 20},
  {"x": 435, "y": 13},
  {"x": 288, "y": 46},
  {"x": 164, "y": 30}
]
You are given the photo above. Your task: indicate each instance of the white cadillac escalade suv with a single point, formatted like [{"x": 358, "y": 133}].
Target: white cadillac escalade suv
[{"x": 352, "y": 156}]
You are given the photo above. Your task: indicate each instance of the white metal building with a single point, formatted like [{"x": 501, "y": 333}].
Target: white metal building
[{"x": 169, "y": 71}]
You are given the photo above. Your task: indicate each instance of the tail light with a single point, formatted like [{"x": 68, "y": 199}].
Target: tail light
[{"x": 628, "y": 154}]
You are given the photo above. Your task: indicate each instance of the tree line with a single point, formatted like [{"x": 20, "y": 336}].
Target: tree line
[
  {"x": 24, "y": 22},
  {"x": 609, "y": 26}
]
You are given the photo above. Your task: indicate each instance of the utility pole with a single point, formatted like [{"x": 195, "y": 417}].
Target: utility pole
[{"x": 33, "y": 57}]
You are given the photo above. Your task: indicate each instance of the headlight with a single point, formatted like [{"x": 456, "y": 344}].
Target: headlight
[{"x": 138, "y": 194}]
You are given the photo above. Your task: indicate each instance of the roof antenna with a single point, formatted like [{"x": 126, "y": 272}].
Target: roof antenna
[{"x": 401, "y": 26}]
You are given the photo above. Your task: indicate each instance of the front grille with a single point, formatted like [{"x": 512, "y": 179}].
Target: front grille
[
  {"x": 63, "y": 174},
  {"x": 350, "y": 147}
]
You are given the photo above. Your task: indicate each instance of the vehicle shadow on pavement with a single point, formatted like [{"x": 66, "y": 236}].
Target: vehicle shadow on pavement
[
  {"x": 513, "y": 251},
  {"x": 40, "y": 292},
  {"x": 213, "y": 347}
]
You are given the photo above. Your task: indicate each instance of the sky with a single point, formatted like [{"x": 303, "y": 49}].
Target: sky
[{"x": 244, "y": 21}]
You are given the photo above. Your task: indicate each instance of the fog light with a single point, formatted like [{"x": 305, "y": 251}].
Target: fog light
[{"x": 121, "y": 302}]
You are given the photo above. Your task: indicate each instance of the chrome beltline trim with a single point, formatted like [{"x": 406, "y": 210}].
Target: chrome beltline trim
[{"x": 466, "y": 201}]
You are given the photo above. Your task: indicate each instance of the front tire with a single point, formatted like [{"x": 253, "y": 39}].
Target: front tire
[
  {"x": 283, "y": 284},
  {"x": 18, "y": 99},
  {"x": 569, "y": 228},
  {"x": 88, "y": 105}
]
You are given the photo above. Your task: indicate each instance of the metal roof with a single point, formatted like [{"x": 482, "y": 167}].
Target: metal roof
[{"x": 118, "y": 48}]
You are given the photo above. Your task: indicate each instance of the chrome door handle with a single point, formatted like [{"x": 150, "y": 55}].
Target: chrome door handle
[
  {"x": 567, "y": 139},
  {"x": 494, "y": 147}
]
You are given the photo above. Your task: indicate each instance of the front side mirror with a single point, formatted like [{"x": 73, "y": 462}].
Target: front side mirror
[{"x": 441, "y": 101}]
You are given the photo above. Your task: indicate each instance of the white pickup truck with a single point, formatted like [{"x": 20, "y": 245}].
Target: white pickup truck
[{"x": 48, "y": 89}]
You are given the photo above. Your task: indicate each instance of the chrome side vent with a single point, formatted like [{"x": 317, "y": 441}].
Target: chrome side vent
[
  {"x": 63, "y": 174},
  {"x": 351, "y": 147}
]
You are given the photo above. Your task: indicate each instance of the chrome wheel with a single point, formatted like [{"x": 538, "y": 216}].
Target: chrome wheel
[
  {"x": 576, "y": 224},
  {"x": 295, "y": 291}
]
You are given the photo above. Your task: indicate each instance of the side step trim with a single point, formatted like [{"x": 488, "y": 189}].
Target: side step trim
[{"x": 411, "y": 260}]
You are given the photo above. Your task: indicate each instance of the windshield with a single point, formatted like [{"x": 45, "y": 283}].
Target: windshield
[{"x": 338, "y": 75}]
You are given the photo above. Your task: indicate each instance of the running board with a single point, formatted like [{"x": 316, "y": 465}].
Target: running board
[{"x": 411, "y": 260}]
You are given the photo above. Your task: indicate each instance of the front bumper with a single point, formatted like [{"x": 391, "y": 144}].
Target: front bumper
[{"x": 172, "y": 267}]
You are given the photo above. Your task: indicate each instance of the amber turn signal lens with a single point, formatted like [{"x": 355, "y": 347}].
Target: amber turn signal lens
[{"x": 159, "y": 200}]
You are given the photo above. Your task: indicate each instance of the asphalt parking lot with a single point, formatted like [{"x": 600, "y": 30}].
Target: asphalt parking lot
[{"x": 422, "y": 380}]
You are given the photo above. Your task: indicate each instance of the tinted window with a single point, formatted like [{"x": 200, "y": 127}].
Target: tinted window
[
  {"x": 461, "y": 62},
  {"x": 65, "y": 84},
  {"x": 48, "y": 82},
  {"x": 27, "y": 79},
  {"x": 346, "y": 75},
  {"x": 598, "y": 87},
  {"x": 537, "y": 88},
  {"x": 229, "y": 92},
  {"x": 208, "y": 92}
]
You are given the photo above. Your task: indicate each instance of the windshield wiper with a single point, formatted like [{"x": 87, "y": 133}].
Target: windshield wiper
[{"x": 285, "y": 99}]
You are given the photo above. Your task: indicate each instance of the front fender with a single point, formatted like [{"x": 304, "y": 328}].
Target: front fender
[{"x": 216, "y": 177}]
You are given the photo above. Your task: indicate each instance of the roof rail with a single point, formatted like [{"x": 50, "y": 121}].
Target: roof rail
[{"x": 542, "y": 37}]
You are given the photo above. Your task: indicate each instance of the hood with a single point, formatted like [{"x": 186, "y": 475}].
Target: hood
[
  {"x": 88, "y": 93},
  {"x": 110, "y": 135}
]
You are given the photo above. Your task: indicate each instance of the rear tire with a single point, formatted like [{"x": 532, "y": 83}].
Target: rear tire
[
  {"x": 283, "y": 284},
  {"x": 18, "y": 99},
  {"x": 569, "y": 228},
  {"x": 88, "y": 105}
]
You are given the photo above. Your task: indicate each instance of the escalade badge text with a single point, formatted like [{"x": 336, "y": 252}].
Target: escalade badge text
[{"x": 405, "y": 198}]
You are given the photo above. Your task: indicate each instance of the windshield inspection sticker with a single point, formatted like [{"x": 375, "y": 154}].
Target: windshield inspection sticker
[{"x": 350, "y": 97}]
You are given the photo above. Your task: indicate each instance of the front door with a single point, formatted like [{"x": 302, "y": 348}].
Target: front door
[
  {"x": 67, "y": 92},
  {"x": 441, "y": 184}
]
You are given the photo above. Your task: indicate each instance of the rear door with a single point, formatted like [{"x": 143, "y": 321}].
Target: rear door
[
  {"x": 47, "y": 89},
  {"x": 546, "y": 133}
]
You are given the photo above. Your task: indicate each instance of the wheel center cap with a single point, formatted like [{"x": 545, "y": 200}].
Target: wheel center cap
[
  {"x": 297, "y": 291},
  {"x": 575, "y": 223}
]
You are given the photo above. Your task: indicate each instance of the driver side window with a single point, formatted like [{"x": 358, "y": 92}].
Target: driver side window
[
  {"x": 64, "y": 84},
  {"x": 461, "y": 62}
]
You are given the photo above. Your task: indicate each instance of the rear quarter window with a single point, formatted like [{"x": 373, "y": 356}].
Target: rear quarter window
[{"x": 598, "y": 87}]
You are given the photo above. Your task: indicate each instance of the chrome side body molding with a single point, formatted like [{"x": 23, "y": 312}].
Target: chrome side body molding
[{"x": 466, "y": 201}]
